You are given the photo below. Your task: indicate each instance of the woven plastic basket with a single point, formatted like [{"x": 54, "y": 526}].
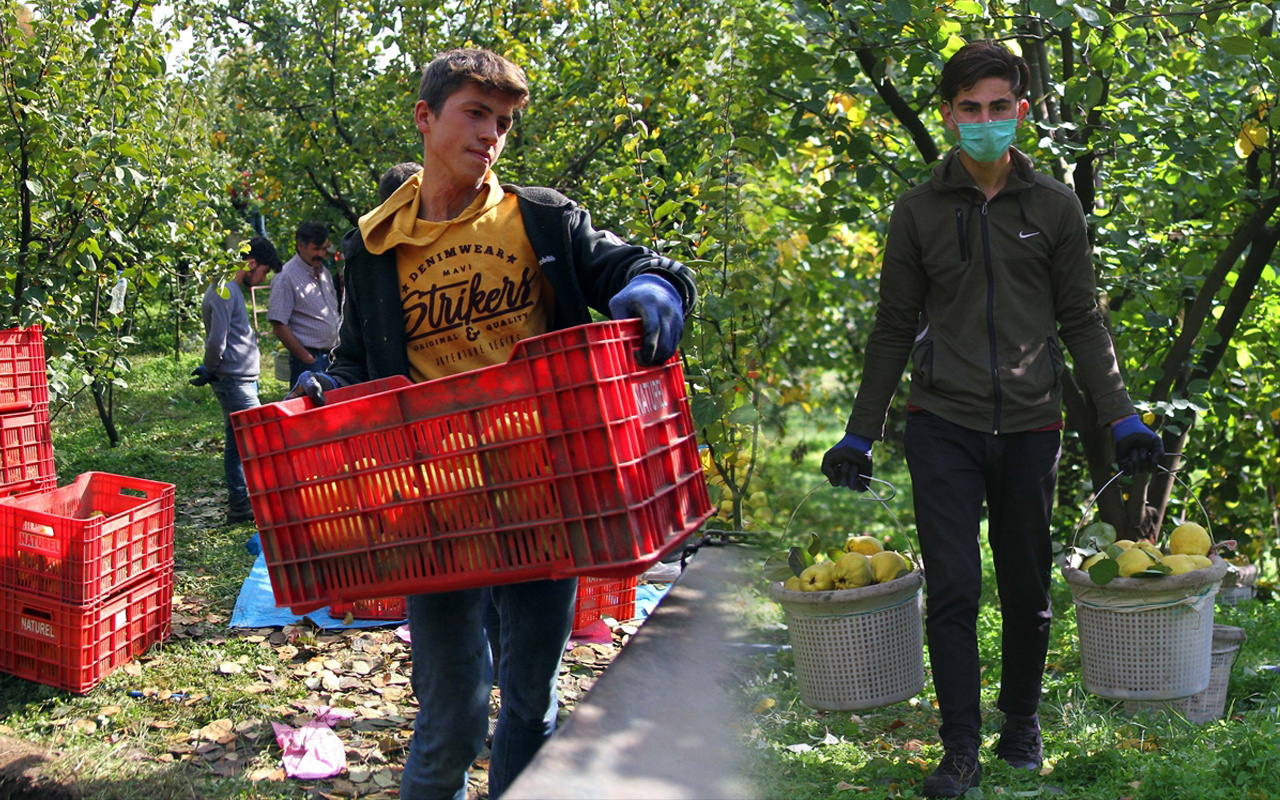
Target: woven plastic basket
[
  {"x": 1212, "y": 702},
  {"x": 1146, "y": 639},
  {"x": 857, "y": 648},
  {"x": 1238, "y": 584}
]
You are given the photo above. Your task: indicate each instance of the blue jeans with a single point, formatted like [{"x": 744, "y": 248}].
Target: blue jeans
[
  {"x": 296, "y": 367},
  {"x": 453, "y": 673},
  {"x": 952, "y": 470},
  {"x": 234, "y": 395}
]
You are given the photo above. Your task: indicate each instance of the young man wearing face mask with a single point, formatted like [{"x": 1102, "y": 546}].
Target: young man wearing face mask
[{"x": 987, "y": 274}]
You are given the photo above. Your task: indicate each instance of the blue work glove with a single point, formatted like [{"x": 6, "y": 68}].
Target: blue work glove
[
  {"x": 313, "y": 385},
  {"x": 200, "y": 376},
  {"x": 1138, "y": 449},
  {"x": 848, "y": 464},
  {"x": 657, "y": 303}
]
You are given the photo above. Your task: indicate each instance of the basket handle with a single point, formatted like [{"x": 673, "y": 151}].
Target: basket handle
[
  {"x": 869, "y": 495},
  {"x": 1172, "y": 473}
]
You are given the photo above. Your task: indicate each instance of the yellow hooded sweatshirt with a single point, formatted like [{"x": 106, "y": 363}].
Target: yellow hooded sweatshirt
[{"x": 471, "y": 286}]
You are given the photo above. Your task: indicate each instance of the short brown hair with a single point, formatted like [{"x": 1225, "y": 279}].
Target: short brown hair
[
  {"x": 453, "y": 69},
  {"x": 986, "y": 58}
]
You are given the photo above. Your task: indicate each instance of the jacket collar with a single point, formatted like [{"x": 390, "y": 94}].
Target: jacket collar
[{"x": 949, "y": 174}]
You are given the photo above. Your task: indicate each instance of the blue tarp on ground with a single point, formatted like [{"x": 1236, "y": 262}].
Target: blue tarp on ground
[{"x": 256, "y": 605}]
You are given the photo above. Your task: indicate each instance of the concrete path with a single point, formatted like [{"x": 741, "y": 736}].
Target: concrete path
[{"x": 657, "y": 724}]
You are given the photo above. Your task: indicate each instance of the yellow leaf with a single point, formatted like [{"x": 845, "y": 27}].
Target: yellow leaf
[
  {"x": 765, "y": 704},
  {"x": 1252, "y": 135}
]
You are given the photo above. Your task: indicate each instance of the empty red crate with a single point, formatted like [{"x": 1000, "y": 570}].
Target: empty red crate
[
  {"x": 74, "y": 646},
  {"x": 26, "y": 447},
  {"x": 80, "y": 542},
  {"x": 604, "y": 597},
  {"x": 23, "y": 383},
  {"x": 386, "y": 608},
  {"x": 568, "y": 459}
]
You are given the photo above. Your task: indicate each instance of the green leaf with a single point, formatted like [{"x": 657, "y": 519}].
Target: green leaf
[
  {"x": 777, "y": 567},
  {"x": 1104, "y": 571},
  {"x": 1237, "y": 45},
  {"x": 798, "y": 559},
  {"x": 815, "y": 544},
  {"x": 1087, "y": 15},
  {"x": 1097, "y": 535},
  {"x": 704, "y": 409},
  {"x": 743, "y": 415}
]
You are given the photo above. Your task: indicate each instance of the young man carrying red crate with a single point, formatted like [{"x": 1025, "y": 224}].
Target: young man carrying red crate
[{"x": 445, "y": 277}]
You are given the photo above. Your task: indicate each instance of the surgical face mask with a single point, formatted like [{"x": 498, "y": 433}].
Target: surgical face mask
[{"x": 987, "y": 141}]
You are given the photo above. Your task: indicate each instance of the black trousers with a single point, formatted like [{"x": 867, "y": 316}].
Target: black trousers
[{"x": 953, "y": 469}]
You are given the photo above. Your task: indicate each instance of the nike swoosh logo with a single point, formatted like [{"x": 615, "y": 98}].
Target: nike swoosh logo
[{"x": 1022, "y": 235}]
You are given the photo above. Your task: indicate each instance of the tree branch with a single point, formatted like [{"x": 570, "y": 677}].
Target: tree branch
[{"x": 899, "y": 107}]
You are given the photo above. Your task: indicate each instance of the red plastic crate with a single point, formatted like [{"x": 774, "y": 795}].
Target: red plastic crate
[
  {"x": 21, "y": 488},
  {"x": 23, "y": 382},
  {"x": 604, "y": 597},
  {"x": 568, "y": 459},
  {"x": 384, "y": 608},
  {"x": 74, "y": 646},
  {"x": 597, "y": 597},
  {"x": 55, "y": 545},
  {"x": 26, "y": 446}
]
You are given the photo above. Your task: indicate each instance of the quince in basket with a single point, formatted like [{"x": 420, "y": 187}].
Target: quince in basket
[
  {"x": 1105, "y": 558},
  {"x": 862, "y": 561}
]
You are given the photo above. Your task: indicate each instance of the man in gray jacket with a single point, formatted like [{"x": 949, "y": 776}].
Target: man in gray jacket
[
  {"x": 230, "y": 365},
  {"x": 987, "y": 274}
]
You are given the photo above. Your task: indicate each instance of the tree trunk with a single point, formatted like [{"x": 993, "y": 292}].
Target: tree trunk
[{"x": 106, "y": 413}]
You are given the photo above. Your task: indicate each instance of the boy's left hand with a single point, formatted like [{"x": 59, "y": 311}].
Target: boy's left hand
[{"x": 657, "y": 303}]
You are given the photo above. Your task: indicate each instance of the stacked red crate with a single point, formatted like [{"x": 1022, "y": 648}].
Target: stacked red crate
[
  {"x": 86, "y": 570},
  {"x": 86, "y": 578},
  {"x": 26, "y": 448}
]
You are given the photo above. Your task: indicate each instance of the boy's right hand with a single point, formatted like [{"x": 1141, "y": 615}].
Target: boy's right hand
[{"x": 848, "y": 464}]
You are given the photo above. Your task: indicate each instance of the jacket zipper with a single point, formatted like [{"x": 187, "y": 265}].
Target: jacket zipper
[
  {"x": 991, "y": 324},
  {"x": 964, "y": 243}
]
